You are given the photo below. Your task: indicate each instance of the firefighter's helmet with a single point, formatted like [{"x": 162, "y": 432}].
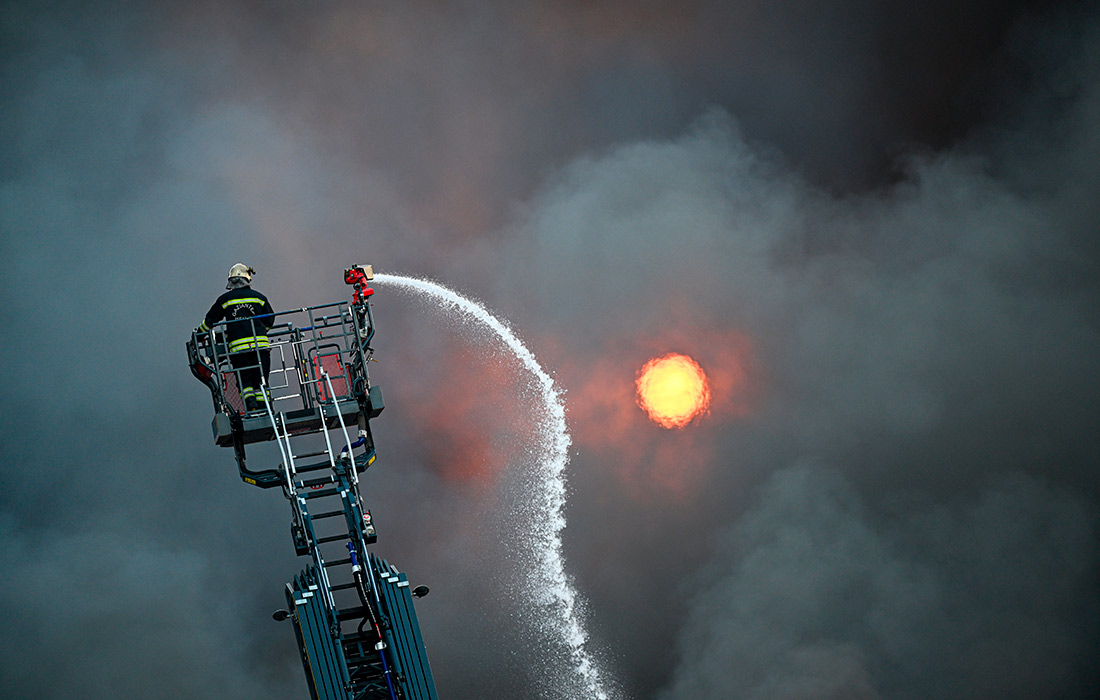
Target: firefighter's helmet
[{"x": 241, "y": 271}]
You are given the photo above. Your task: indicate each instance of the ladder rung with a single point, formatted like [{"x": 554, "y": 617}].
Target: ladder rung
[
  {"x": 342, "y": 586},
  {"x": 356, "y": 639},
  {"x": 313, "y": 467},
  {"x": 337, "y": 562},
  {"x": 310, "y": 483},
  {"x": 332, "y": 538},
  {"x": 319, "y": 494},
  {"x": 329, "y": 514},
  {"x": 351, "y": 613},
  {"x": 311, "y": 454}
]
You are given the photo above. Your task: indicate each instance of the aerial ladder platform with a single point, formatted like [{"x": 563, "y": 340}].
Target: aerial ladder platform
[{"x": 353, "y": 613}]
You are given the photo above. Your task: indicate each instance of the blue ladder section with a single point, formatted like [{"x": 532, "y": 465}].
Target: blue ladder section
[
  {"x": 356, "y": 626},
  {"x": 348, "y": 665},
  {"x": 404, "y": 631},
  {"x": 326, "y": 672}
]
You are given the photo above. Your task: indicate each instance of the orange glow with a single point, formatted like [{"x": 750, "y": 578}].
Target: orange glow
[{"x": 673, "y": 389}]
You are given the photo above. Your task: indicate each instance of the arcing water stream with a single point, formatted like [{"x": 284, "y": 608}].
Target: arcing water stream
[{"x": 550, "y": 586}]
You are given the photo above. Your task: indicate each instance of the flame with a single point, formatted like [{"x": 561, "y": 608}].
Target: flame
[{"x": 673, "y": 389}]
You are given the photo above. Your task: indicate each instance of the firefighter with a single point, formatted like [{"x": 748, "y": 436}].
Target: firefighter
[{"x": 248, "y": 316}]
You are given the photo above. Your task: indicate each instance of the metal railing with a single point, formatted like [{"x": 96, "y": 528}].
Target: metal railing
[{"x": 304, "y": 345}]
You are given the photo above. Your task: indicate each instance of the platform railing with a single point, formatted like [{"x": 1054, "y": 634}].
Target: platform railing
[{"x": 304, "y": 345}]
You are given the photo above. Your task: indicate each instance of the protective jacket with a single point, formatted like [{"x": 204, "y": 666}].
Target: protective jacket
[{"x": 239, "y": 307}]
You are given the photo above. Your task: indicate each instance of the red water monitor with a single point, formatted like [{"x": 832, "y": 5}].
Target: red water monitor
[{"x": 358, "y": 276}]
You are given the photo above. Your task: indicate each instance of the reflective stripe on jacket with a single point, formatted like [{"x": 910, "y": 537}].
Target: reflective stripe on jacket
[{"x": 252, "y": 342}]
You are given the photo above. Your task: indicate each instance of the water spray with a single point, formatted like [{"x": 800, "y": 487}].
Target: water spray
[{"x": 551, "y": 587}]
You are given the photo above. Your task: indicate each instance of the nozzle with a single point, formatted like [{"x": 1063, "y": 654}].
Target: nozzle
[{"x": 358, "y": 274}]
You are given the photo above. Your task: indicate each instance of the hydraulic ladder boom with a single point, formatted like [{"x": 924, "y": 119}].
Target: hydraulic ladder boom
[{"x": 353, "y": 613}]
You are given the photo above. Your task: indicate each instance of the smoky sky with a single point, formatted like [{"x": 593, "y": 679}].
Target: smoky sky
[{"x": 874, "y": 227}]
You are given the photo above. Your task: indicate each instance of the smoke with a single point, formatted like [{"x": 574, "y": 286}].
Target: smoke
[
  {"x": 811, "y": 596},
  {"x": 124, "y": 615},
  {"x": 873, "y": 227},
  {"x": 927, "y": 340}
]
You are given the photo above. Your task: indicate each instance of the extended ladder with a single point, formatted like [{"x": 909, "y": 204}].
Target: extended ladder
[
  {"x": 346, "y": 603},
  {"x": 354, "y": 619}
]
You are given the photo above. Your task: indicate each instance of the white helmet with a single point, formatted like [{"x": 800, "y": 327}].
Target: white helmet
[{"x": 243, "y": 271}]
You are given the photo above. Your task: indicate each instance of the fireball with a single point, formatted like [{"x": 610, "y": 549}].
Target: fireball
[{"x": 673, "y": 389}]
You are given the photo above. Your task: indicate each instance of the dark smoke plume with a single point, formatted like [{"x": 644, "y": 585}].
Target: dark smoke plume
[{"x": 875, "y": 227}]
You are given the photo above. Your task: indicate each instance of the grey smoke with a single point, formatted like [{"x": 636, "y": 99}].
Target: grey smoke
[
  {"x": 888, "y": 216},
  {"x": 811, "y": 596}
]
